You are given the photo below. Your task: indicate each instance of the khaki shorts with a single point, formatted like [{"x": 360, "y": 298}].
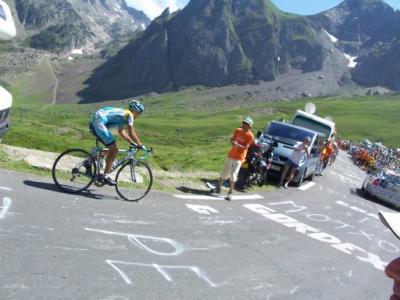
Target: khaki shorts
[{"x": 231, "y": 169}]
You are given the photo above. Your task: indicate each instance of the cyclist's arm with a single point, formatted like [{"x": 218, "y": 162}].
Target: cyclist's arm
[
  {"x": 122, "y": 133},
  {"x": 131, "y": 136}
]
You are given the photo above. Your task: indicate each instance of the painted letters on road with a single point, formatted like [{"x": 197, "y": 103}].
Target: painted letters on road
[{"x": 316, "y": 234}]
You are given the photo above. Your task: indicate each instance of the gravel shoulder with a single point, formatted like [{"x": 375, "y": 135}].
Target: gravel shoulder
[{"x": 42, "y": 161}]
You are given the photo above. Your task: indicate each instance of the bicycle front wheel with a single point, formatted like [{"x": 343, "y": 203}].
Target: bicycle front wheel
[
  {"x": 74, "y": 171},
  {"x": 134, "y": 180}
]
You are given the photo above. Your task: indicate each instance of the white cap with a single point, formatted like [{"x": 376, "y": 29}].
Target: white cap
[{"x": 248, "y": 120}]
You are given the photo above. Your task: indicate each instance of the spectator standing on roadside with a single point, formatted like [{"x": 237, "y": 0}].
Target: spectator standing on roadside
[
  {"x": 299, "y": 150},
  {"x": 326, "y": 152},
  {"x": 335, "y": 152},
  {"x": 241, "y": 140}
]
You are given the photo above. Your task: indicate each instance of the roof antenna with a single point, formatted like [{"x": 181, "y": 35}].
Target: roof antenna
[{"x": 310, "y": 108}]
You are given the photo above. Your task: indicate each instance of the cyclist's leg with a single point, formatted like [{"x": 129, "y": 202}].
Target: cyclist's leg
[
  {"x": 105, "y": 137},
  {"x": 112, "y": 153}
]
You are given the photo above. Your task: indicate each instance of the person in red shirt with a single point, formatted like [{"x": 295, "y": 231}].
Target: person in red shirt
[{"x": 241, "y": 140}]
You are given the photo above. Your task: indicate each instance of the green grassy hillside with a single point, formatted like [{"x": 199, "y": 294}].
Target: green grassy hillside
[{"x": 185, "y": 140}]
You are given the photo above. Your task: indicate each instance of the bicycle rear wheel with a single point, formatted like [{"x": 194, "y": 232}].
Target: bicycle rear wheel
[
  {"x": 134, "y": 180},
  {"x": 73, "y": 171}
]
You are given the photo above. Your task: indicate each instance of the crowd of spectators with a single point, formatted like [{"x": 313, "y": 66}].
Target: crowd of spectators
[{"x": 373, "y": 156}]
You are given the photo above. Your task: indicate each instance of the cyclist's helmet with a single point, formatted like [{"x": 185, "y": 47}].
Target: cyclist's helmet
[{"x": 135, "y": 105}]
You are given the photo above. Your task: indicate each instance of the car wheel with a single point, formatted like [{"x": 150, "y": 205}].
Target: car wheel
[{"x": 365, "y": 192}]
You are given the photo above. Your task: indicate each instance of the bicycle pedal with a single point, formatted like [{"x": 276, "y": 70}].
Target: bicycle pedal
[{"x": 99, "y": 183}]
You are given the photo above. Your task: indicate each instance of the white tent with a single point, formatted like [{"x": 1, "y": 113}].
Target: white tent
[{"x": 7, "y": 26}]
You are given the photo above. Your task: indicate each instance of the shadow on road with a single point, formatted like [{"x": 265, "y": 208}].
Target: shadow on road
[
  {"x": 209, "y": 184},
  {"x": 205, "y": 191},
  {"x": 188, "y": 190},
  {"x": 52, "y": 187}
]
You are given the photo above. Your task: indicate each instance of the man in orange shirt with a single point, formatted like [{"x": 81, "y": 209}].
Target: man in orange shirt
[
  {"x": 326, "y": 152},
  {"x": 241, "y": 140}
]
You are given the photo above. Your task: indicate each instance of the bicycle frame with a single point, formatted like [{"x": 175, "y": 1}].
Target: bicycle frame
[
  {"x": 130, "y": 156},
  {"x": 130, "y": 169}
]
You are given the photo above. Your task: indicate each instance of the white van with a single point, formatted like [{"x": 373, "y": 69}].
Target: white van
[
  {"x": 7, "y": 32},
  {"x": 310, "y": 121}
]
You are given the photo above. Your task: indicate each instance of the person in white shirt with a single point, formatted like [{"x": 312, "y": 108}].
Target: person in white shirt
[{"x": 299, "y": 150}]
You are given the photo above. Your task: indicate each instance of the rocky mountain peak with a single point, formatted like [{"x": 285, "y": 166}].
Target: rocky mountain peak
[
  {"x": 213, "y": 43},
  {"x": 362, "y": 4},
  {"x": 62, "y": 25}
]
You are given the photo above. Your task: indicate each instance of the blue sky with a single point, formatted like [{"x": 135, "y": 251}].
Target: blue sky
[{"x": 306, "y": 7}]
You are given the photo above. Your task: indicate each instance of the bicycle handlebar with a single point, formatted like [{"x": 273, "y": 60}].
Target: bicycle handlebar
[{"x": 147, "y": 153}]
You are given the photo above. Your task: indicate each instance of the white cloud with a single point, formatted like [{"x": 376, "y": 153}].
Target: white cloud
[{"x": 153, "y": 8}]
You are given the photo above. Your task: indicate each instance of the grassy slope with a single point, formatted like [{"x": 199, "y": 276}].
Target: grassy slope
[{"x": 198, "y": 139}]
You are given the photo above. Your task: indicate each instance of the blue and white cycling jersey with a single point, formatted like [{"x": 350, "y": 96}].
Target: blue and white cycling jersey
[
  {"x": 110, "y": 117},
  {"x": 113, "y": 117}
]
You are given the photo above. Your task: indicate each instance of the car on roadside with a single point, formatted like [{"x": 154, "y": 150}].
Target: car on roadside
[
  {"x": 285, "y": 136},
  {"x": 384, "y": 185}
]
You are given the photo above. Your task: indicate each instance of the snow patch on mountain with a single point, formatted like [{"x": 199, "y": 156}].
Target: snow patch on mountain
[
  {"x": 77, "y": 51},
  {"x": 351, "y": 59},
  {"x": 331, "y": 37}
]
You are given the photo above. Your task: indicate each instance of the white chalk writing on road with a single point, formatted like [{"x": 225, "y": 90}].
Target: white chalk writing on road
[
  {"x": 316, "y": 234},
  {"x": 5, "y": 188},
  {"x": 136, "y": 239},
  {"x": 162, "y": 269},
  {"x": 202, "y": 209},
  {"x": 306, "y": 186},
  {"x": 5, "y": 207},
  {"x": 218, "y": 198},
  {"x": 343, "y": 226},
  {"x": 357, "y": 209}
]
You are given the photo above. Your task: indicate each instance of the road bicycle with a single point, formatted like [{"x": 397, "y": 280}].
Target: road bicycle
[{"x": 75, "y": 170}]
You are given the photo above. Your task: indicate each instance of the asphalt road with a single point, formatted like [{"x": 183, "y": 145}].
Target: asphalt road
[{"x": 321, "y": 241}]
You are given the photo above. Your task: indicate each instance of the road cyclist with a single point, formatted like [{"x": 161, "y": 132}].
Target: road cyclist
[
  {"x": 75, "y": 170},
  {"x": 110, "y": 117}
]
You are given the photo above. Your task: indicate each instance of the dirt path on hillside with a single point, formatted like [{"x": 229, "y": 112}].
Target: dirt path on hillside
[{"x": 56, "y": 81}]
